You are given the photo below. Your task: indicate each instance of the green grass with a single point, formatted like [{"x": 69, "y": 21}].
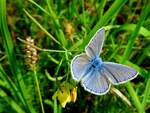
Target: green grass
[{"x": 61, "y": 30}]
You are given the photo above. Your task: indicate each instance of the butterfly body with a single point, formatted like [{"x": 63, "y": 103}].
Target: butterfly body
[
  {"x": 95, "y": 75},
  {"x": 96, "y": 63}
]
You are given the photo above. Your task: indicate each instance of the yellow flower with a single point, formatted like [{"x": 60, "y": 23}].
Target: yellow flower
[
  {"x": 66, "y": 94},
  {"x": 73, "y": 94},
  {"x": 63, "y": 96}
]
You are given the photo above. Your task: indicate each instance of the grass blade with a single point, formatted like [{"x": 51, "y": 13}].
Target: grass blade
[
  {"x": 130, "y": 44},
  {"x": 9, "y": 48},
  {"x": 59, "y": 32},
  {"x": 112, "y": 11}
]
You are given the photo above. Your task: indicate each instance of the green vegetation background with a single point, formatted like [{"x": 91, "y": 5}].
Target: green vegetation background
[{"x": 61, "y": 29}]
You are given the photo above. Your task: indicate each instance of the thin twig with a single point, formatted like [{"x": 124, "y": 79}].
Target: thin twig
[
  {"x": 39, "y": 49},
  {"x": 124, "y": 98}
]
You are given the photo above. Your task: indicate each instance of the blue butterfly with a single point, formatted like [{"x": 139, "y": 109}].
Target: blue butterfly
[{"x": 95, "y": 75}]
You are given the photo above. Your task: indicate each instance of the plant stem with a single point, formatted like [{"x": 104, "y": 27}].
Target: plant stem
[{"x": 38, "y": 90}]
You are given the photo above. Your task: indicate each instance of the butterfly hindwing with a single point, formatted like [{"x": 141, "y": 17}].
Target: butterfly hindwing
[
  {"x": 118, "y": 73},
  {"x": 95, "y": 45},
  {"x": 96, "y": 83}
]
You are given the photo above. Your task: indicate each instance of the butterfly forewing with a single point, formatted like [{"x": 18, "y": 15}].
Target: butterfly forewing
[
  {"x": 79, "y": 66},
  {"x": 118, "y": 73},
  {"x": 96, "y": 43},
  {"x": 96, "y": 83}
]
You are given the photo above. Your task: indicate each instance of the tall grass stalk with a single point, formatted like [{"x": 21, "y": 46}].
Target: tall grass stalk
[
  {"x": 59, "y": 32},
  {"x": 38, "y": 90},
  {"x": 41, "y": 27},
  {"x": 146, "y": 95},
  {"x": 110, "y": 13},
  {"x": 9, "y": 48},
  {"x": 127, "y": 52}
]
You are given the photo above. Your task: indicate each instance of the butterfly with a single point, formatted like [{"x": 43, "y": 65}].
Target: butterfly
[{"x": 95, "y": 75}]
